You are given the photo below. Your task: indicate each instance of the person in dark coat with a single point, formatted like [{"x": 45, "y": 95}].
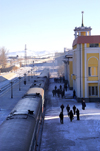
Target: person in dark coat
[
  {"x": 71, "y": 116},
  {"x": 53, "y": 92},
  {"x": 74, "y": 93},
  {"x": 65, "y": 87},
  {"x": 83, "y": 104},
  {"x": 77, "y": 113},
  {"x": 62, "y": 93},
  {"x": 68, "y": 108},
  {"x": 61, "y": 117},
  {"x": 62, "y": 107},
  {"x": 55, "y": 87},
  {"x": 74, "y": 109},
  {"x": 60, "y": 87}
]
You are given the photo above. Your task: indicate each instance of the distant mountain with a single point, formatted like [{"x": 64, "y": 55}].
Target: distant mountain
[{"x": 29, "y": 53}]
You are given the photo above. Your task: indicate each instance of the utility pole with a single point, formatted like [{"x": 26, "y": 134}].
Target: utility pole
[
  {"x": 19, "y": 84},
  {"x": 25, "y": 55}
]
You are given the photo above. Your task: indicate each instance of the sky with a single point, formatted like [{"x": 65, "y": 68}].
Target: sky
[{"x": 45, "y": 25}]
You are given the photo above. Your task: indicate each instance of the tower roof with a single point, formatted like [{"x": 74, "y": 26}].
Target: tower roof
[{"x": 82, "y": 28}]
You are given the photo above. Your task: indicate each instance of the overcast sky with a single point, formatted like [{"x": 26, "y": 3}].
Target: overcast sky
[{"x": 45, "y": 24}]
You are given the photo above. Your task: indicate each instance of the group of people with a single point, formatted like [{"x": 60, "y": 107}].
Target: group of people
[
  {"x": 60, "y": 92},
  {"x": 60, "y": 79},
  {"x": 72, "y": 112},
  {"x": 69, "y": 112}
]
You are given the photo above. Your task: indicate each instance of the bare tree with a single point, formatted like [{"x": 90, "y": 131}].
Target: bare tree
[{"x": 3, "y": 57}]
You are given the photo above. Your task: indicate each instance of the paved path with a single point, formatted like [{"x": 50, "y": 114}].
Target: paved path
[{"x": 83, "y": 135}]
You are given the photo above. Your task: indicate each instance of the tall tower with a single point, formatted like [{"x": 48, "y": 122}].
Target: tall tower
[
  {"x": 83, "y": 30},
  {"x": 25, "y": 55}
]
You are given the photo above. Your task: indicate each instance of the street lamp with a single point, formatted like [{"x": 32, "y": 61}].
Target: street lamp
[
  {"x": 19, "y": 84},
  {"x": 11, "y": 89}
]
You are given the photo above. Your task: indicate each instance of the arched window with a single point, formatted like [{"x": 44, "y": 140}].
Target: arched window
[{"x": 93, "y": 66}]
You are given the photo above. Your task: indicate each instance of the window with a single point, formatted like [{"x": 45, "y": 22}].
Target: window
[
  {"x": 94, "y": 45},
  {"x": 93, "y": 90},
  {"x": 92, "y": 71}
]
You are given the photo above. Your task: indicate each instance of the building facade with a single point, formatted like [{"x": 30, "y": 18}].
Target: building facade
[{"x": 86, "y": 64}]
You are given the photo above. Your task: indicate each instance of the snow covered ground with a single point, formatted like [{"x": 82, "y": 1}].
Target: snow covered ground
[{"x": 82, "y": 135}]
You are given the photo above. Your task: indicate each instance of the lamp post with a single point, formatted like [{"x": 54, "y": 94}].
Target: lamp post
[
  {"x": 28, "y": 76},
  {"x": 19, "y": 84},
  {"x": 11, "y": 89}
]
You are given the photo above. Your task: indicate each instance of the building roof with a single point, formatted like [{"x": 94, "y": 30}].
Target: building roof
[{"x": 86, "y": 39}]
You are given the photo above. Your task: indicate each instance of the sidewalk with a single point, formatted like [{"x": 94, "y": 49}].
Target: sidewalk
[{"x": 83, "y": 135}]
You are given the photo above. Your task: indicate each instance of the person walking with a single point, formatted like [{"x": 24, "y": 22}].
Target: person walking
[
  {"x": 55, "y": 87},
  {"x": 65, "y": 86},
  {"x": 61, "y": 117},
  {"x": 62, "y": 107},
  {"x": 74, "y": 109},
  {"x": 83, "y": 104},
  {"x": 68, "y": 108},
  {"x": 53, "y": 92},
  {"x": 78, "y": 113},
  {"x": 60, "y": 87},
  {"x": 74, "y": 94},
  {"x": 71, "y": 116}
]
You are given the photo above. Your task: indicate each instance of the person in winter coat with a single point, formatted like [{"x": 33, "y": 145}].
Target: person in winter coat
[
  {"x": 74, "y": 93},
  {"x": 61, "y": 117},
  {"x": 74, "y": 109},
  {"x": 71, "y": 116},
  {"x": 65, "y": 87},
  {"x": 77, "y": 113},
  {"x": 62, "y": 107},
  {"x": 53, "y": 92},
  {"x": 55, "y": 87},
  {"x": 83, "y": 104},
  {"x": 60, "y": 87},
  {"x": 68, "y": 108}
]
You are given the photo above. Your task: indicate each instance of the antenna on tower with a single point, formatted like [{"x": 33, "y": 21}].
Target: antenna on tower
[{"x": 25, "y": 55}]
